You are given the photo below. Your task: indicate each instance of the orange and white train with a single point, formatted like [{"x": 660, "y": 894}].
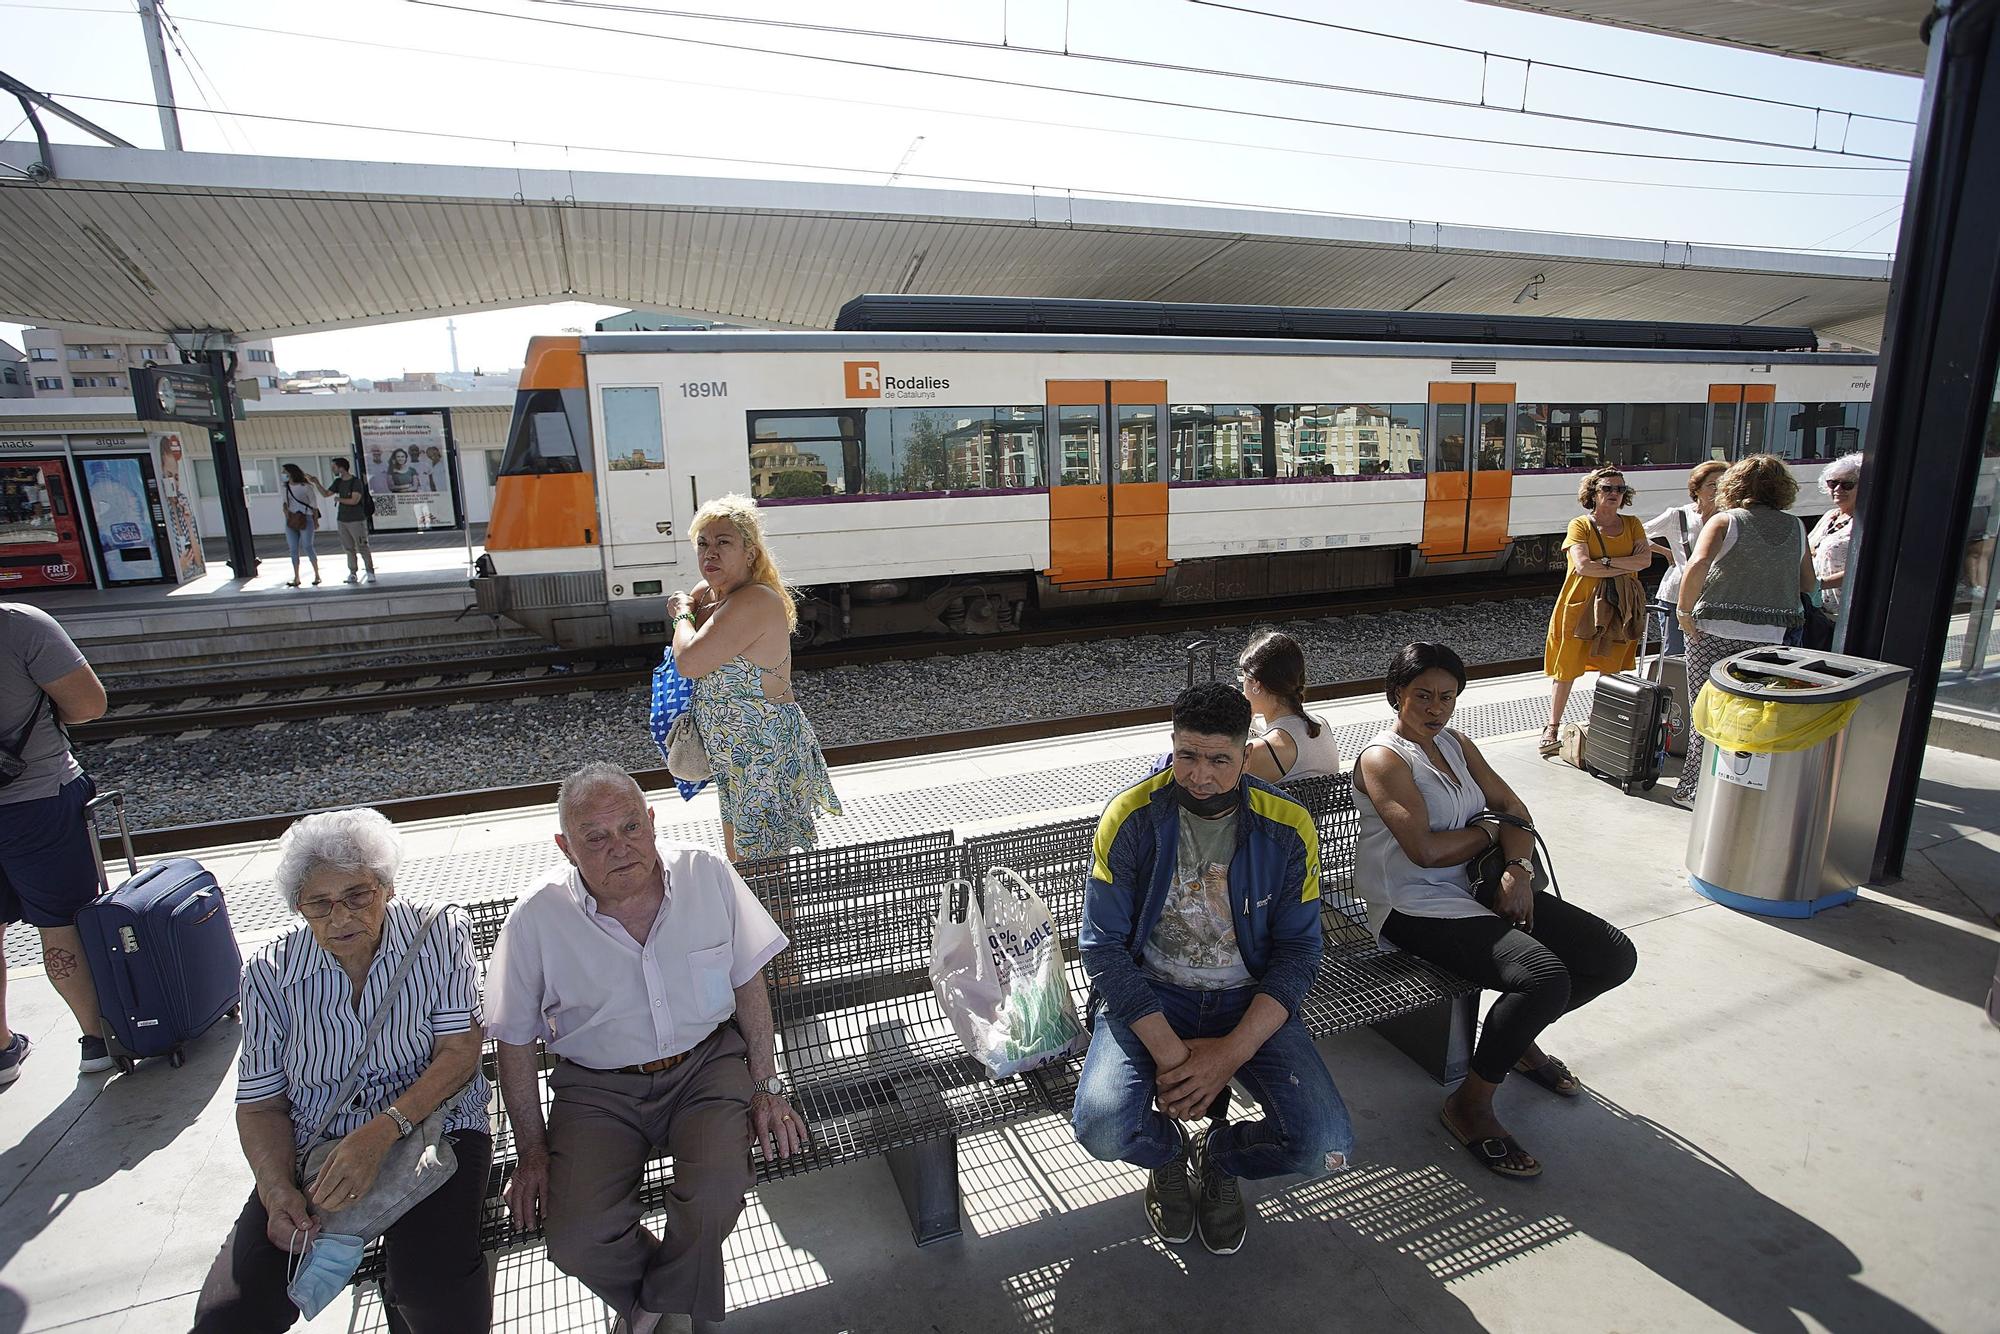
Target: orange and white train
[{"x": 919, "y": 471}]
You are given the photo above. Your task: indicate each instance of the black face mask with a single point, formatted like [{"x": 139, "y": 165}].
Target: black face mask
[{"x": 1222, "y": 803}]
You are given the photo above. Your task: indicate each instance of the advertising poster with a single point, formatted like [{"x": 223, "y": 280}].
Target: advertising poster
[
  {"x": 118, "y": 507},
  {"x": 407, "y": 459},
  {"x": 177, "y": 502}
]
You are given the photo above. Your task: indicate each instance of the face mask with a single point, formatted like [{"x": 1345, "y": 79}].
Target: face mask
[
  {"x": 329, "y": 1262},
  {"x": 1207, "y": 807}
]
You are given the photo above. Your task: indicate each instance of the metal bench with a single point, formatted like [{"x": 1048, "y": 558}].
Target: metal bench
[{"x": 875, "y": 1068}]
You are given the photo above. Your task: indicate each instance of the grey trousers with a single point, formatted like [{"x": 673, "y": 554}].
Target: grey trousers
[
  {"x": 603, "y": 1127},
  {"x": 354, "y": 541}
]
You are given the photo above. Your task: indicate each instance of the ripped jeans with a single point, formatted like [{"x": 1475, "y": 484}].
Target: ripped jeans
[{"x": 1304, "y": 1128}]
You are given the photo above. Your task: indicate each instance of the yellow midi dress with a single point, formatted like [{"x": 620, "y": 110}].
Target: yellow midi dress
[{"x": 1564, "y": 656}]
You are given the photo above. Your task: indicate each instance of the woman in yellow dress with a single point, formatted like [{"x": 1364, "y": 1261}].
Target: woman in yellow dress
[{"x": 1602, "y": 543}]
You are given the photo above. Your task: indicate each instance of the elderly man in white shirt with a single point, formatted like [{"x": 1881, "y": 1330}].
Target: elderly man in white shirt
[{"x": 629, "y": 965}]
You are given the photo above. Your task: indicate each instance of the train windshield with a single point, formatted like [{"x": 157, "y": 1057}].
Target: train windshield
[{"x": 550, "y": 433}]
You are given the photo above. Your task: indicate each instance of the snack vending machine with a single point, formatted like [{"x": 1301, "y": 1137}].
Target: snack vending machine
[{"x": 41, "y": 533}]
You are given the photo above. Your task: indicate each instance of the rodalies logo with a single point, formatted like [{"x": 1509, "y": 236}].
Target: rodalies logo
[{"x": 865, "y": 379}]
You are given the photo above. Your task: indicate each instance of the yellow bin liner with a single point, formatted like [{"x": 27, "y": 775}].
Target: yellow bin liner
[{"x": 1766, "y": 726}]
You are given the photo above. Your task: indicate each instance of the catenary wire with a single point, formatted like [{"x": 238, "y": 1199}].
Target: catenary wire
[
  {"x": 1024, "y": 120},
  {"x": 1133, "y": 62}
]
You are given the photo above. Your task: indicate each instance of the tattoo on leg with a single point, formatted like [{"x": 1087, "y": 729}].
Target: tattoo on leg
[{"x": 60, "y": 963}]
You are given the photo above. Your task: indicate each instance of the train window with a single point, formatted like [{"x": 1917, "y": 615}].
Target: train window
[
  {"x": 800, "y": 454},
  {"x": 1818, "y": 430},
  {"x": 1138, "y": 443},
  {"x": 952, "y": 449},
  {"x": 542, "y": 439},
  {"x": 632, "y": 438},
  {"x": 1531, "y": 436},
  {"x": 1492, "y": 437},
  {"x": 1575, "y": 435},
  {"x": 1218, "y": 442},
  {"x": 1079, "y": 427},
  {"x": 1451, "y": 426},
  {"x": 1638, "y": 434}
]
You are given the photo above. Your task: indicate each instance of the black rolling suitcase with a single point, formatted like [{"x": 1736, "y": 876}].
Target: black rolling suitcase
[{"x": 1627, "y": 742}]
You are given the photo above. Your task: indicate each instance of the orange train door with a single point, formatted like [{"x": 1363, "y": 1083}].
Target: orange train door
[
  {"x": 1469, "y": 489},
  {"x": 1739, "y": 419},
  {"x": 1107, "y": 499}
]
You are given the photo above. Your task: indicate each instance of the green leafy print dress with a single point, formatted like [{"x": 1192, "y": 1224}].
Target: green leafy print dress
[{"x": 768, "y": 770}]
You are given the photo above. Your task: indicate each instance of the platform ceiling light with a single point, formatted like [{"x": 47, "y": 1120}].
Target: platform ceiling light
[{"x": 1531, "y": 290}]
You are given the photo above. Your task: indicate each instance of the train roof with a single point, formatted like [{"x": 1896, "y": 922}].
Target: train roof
[{"x": 1049, "y": 315}]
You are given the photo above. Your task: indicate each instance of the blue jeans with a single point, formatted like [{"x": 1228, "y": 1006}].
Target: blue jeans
[
  {"x": 1668, "y": 614},
  {"x": 1304, "y": 1129}
]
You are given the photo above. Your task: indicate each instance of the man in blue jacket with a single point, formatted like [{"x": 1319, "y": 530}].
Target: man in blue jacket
[{"x": 1201, "y": 936}]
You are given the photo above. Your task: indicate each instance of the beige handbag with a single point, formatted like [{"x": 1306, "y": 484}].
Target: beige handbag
[
  {"x": 687, "y": 757},
  {"x": 1571, "y": 739}
]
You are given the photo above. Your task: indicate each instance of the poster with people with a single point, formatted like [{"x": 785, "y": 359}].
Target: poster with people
[
  {"x": 178, "y": 507},
  {"x": 406, "y": 458}
]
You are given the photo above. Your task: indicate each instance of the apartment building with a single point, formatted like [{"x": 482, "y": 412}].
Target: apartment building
[{"x": 76, "y": 361}]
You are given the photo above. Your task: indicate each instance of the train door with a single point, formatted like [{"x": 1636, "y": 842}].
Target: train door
[
  {"x": 638, "y": 497},
  {"x": 1469, "y": 488},
  {"x": 1107, "y": 488},
  {"x": 41, "y": 534},
  {"x": 1739, "y": 419}
]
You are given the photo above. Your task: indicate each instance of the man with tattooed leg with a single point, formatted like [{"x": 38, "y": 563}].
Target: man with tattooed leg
[{"x": 46, "y": 869}]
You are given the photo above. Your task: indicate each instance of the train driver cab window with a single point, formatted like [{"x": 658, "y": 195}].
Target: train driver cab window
[
  {"x": 803, "y": 455},
  {"x": 542, "y": 440}
]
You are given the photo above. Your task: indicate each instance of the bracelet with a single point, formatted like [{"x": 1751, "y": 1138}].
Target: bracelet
[{"x": 687, "y": 616}]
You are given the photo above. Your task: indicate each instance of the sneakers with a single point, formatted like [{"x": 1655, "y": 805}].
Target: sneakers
[
  {"x": 11, "y": 1058},
  {"x": 1169, "y": 1202},
  {"x": 96, "y": 1058},
  {"x": 352, "y": 579},
  {"x": 1218, "y": 1206}
]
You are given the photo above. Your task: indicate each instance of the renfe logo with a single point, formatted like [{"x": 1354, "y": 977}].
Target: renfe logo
[{"x": 864, "y": 378}]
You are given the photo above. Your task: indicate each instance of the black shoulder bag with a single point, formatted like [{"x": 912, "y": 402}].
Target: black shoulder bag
[
  {"x": 1488, "y": 866},
  {"x": 13, "y": 759}
]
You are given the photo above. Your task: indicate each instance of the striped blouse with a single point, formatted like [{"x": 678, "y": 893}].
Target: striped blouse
[{"x": 300, "y": 1029}]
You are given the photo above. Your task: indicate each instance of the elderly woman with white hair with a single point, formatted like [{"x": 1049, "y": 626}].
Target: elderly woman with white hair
[
  {"x": 1834, "y": 533},
  {"x": 308, "y": 1000}
]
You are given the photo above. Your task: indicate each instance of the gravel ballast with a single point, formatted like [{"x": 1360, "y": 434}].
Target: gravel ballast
[{"x": 281, "y": 767}]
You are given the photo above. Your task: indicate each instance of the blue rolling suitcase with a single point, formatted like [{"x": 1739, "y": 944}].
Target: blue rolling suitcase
[{"x": 164, "y": 959}]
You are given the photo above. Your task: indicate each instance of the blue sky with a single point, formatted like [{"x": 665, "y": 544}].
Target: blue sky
[{"x": 523, "y": 90}]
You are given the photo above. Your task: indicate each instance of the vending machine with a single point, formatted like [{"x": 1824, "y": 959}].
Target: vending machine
[
  {"x": 127, "y": 522},
  {"x": 41, "y": 533}
]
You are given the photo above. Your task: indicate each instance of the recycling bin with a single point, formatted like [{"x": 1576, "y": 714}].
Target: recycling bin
[{"x": 1795, "y": 771}]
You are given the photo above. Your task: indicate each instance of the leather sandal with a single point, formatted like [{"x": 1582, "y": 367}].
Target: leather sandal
[
  {"x": 1499, "y": 1154},
  {"x": 1552, "y": 1075},
  {"x": 1551, "y": 741}
]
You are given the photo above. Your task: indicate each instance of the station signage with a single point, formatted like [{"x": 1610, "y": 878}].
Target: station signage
[{"x": 177, "y": 394}]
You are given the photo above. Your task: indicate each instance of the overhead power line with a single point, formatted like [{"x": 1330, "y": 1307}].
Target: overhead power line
[
  {"x": 1169, "y": 103},
  {"x": 1133, "y": 62},
  {"x": 870, "y": 170}
]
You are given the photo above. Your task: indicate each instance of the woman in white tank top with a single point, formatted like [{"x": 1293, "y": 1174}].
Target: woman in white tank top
[
  {"x": 1294, "y": 744},
  {"x": 1418, "y": 786}
]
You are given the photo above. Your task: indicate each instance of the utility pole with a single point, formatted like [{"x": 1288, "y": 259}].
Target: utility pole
[
  {"x": 163, "y": 78},
  {"x": 451, "y": 332}
]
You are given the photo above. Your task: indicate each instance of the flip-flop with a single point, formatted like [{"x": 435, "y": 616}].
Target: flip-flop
[
  {"x": 1493, "y": 1151},
  {"x": 1552, "y": 1075}
]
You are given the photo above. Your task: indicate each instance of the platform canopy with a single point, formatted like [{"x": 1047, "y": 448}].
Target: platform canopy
[
  {"x": 1869, "y": 34},
  {"x": 145, "y": 240}
]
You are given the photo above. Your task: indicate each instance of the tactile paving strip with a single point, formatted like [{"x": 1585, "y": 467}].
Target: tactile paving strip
[{"x": 256, "y": 909}]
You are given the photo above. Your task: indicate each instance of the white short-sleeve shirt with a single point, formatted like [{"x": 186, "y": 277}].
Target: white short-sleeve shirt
[{"x": 565, "y": 974}]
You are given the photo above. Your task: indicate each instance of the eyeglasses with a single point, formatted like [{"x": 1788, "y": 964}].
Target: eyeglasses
[
  {"x": 1614, "y": 490},
  {"x": 354, "y": 900},
  {"x": 1843, "y": 485}
]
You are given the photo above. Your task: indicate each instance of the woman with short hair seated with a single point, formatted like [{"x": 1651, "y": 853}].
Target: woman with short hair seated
[
  {"x": 1421, "y": 789},
  {"x": 1293, "y": 743},
  {"x": 308, "y": 997}
]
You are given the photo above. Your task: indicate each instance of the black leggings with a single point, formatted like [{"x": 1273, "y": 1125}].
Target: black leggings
[
  {"x": 436, "y": 1282},
  {"x": 1571, "y": 958}
]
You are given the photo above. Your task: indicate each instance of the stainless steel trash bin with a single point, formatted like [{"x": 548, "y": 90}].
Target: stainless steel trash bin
[{"x": 1792, "y": 832}]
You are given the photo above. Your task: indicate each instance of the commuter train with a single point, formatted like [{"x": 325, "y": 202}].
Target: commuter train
[{"x": 957, "y": 465}]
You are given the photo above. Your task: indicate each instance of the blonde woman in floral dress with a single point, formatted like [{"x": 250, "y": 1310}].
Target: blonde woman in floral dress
[{"x": 733, "y": 640}]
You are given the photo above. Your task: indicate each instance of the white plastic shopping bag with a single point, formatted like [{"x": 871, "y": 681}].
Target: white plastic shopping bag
[{"x": 998, "y": 975}]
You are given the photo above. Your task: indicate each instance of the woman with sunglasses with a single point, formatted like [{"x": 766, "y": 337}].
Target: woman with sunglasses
[
  {"x": 1834, "y": 532},
  {"x": 1602, "y": 543},
  {"x": 308, "y": 997}
]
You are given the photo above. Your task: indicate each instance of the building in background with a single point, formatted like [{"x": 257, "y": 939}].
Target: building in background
[
  {"x": 14, "y": 377},
  {"x": 77, "y": 361}
]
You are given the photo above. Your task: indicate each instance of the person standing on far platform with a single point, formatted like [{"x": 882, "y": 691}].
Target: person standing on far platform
[
  {"x": 352, "y": 514},
  {"x": 1601, "y": 544},
  {"x": 733, "y": 639},
  {"x": 301, "y": 518},
  {"x": 47, "y": 871},
  {"x": 1201, "y": 936}
]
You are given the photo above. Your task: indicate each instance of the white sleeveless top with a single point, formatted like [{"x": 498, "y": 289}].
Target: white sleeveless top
[
  {"x": 1315, "y": 755},
  {"x": 1384, "y": 875}
]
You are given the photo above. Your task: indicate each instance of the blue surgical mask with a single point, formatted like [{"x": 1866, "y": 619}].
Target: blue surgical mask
[{"x": 329, "y": 1262}]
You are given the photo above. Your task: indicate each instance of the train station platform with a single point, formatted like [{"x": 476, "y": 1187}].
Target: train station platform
[
  {"x": 420, "y": 599},
  {"x": 1787, "y": 1124}
]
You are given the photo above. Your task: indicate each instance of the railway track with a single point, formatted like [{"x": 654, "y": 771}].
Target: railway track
[
  {"x": 168, "y": 710},
  {"x": 403, "y": 810}
]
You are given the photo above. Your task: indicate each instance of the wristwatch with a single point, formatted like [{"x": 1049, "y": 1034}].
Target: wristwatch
[
  {"x": 1525, "y": 863},
  {"x": 773, "y": 1086},
  {"x": 403, "y": 1123}
]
